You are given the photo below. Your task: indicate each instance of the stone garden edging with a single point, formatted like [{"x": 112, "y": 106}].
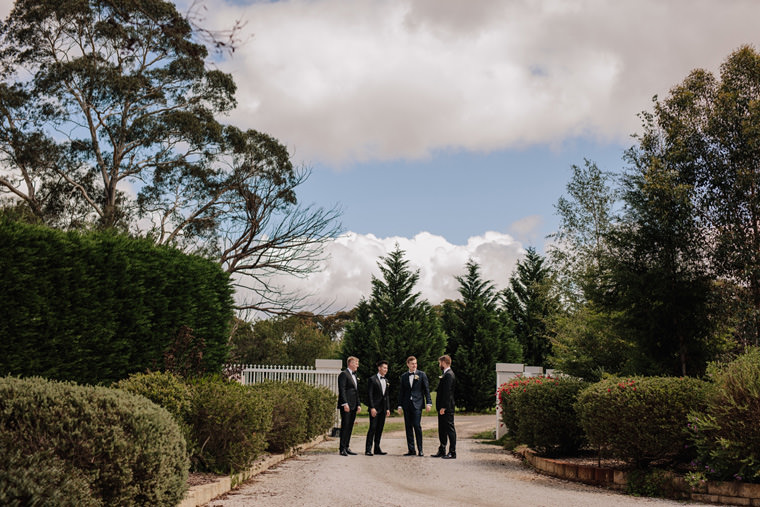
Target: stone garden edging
[
  {"x": 202, "y": 494},
  {"x": 731, "y": 493}
]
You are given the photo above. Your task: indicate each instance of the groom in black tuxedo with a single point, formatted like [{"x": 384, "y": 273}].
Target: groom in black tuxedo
[
  {"x": 444, "y": 405},
  {"x": 379, "y": 408},
  {"x": 413, "y": 393},
  {"x": 348, "y": 403}
]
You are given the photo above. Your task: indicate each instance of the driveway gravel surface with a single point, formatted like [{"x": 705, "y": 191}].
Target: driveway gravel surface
[{"x": 482, "y": 474}]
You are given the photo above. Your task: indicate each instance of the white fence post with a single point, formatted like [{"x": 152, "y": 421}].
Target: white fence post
[{"x": 504, "y": 373}]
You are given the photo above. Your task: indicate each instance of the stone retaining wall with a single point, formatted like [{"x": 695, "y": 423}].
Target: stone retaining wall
[{"x": 731, "y": 493}]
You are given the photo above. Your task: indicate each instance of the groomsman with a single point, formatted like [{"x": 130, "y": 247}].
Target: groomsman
[
  {"x": 379, "y": 408},
  {"x": 348, "y": 403},
  {"x": 413, "y": 392},
  {"x": 444, "y": 405}
]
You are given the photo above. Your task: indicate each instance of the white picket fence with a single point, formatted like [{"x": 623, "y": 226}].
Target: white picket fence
[{"x": 324, "y": 373}]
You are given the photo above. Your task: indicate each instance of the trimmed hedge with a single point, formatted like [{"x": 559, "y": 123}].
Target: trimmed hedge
[
  {"x": 539, "y": 412},
  {"x": 169, "y": 391},
  {"x": 727, "y": 433},
  {"x": 289, "y": 415},
  {"x": 126, "y": 449},
  {"x": 300, "y": 412},
  {"x": 640, "y": 419},
  {"x": 229, "y": 423},
  {"x": 93, "y": 307},
  {"x": 320, "y": 403}
]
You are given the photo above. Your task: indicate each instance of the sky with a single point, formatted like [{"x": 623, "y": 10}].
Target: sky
[{"x": 449, "y": 128}]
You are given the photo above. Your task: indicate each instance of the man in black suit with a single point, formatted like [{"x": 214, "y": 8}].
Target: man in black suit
[
  {"x": 413, "y": 392},
  {"x": 348, "y": 403},
  {"x": 379, "y": 408},
  {"x": 444, "y": 405}
]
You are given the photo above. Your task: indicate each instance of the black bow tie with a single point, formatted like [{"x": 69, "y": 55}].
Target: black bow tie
[
  {"x": 352, "y": 373},
  {"x": 382, "y": 378}
]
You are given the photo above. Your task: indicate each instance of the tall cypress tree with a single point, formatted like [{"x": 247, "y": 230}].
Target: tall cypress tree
[
  {"x": 394, "y": 324},
  {"x": 530, "y": 303},
  {"x": 478, "y": 338}
]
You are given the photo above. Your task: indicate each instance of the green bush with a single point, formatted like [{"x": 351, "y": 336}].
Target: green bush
[
  {"x": 127, "y": 449},
  {"x": 541, "y": 413},
  {"x": 40, "y": 479},
  {"x": 229, "y": 422},
  {"x": 726, "y": 433},
  {"x": 169, "y": 391},
  {"x": 320, "y": 403},
  {"x": 640, "y": 419},
  {"x": 289, "y": 416},
  {"x": 94, "y": 307}
]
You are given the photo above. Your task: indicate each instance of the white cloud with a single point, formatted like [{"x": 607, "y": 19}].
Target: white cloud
[
  {"x": 346, "y": 275},
  {"x": 340, "y": 81}
]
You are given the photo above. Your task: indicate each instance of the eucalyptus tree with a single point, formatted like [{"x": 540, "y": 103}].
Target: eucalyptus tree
[
  {"x": 109, "y": 118},
  {"x": 709, "y": 131}
]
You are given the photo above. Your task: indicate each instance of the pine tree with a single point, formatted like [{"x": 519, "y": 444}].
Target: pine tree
[
  {"x": 530, "y": 303},
  {"x": 394, "y": 324},
  {"x": 478, "y": 338}
]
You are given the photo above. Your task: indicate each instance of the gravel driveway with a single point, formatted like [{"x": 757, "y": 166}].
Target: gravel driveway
[{"x": 482, "y": 474}]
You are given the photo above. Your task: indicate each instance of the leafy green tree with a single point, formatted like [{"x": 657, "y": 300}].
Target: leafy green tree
[
  {"x": 292, "y": 340},
  {"x": 394, "y": 324},
  {"x": 478, "y": 338},
  {"x": 586, "y": 336},
  {"x": 709, "y": 131},
  {"x": 96, "y": 95},
  {"x": 580, "y": 249},
  {"x": 530, "y": 302},
  {"x": 659, "y": 278}
]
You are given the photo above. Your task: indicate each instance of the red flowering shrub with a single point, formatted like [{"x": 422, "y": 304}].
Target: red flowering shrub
[
  {"x": 539, "y": 412},
  {"x": 640, "y": 419}
]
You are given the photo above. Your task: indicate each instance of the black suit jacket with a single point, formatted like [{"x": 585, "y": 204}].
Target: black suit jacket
[
  {"x": 418, "y": 395},
  {"x": 377, "y": 399},
  {"x": 445, "y": 392},
  {"x": 347, "y": 392}
]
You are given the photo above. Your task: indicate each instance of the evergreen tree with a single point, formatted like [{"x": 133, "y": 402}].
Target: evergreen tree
[
  {"x": 478, "y": 338},
  {"x": 394, "y": 324},
  {"x": 530, "y": 303}
]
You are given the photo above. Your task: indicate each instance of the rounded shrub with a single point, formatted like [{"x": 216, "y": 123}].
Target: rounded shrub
[
  {"x": 640, "y": 419},
  {"x": 40, "y": 479},
  {"x": 229, "y": 422},
  {"x": 128, "y": 450},
  {"x": 320, "y": 407},
  {"x": 726, "y": 433},
  {"x": 169, "y": 391},
  {"x": 289, "y": 414},
  {"x": 542, "y": 413}
]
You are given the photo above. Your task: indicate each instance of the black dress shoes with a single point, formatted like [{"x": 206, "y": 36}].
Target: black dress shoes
[
  {"x": 367, "y": 453},
  {"x": 420, "y": 454},
  {"x": 440, "y": 454},
  {"x": 380, "y": 453},
  {"x": 349, "y": 451},
  {"x": 343, "y": 452},
  {"x": 451, "y": 455},
  {"x": 410, "y": 453}
]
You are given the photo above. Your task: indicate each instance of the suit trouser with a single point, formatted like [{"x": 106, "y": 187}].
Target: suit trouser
[
  {"x": 346, "y": 427},
  {"x": 447, "y": 432},
  {"x": 413, "y": 426},
  {"x": 375, "y": 431}
]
